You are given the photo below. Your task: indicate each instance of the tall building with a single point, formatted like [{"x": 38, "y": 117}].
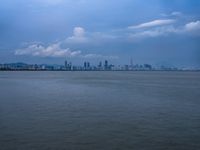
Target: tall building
[
  {"x": 70, "y": 66},
  {"x": 131, "y": 62},
  {"x": 106, "y": 65},
  {"x": 100, "y": 64},
  {"x": 86, "y": 65},
  {"x": 66, "y": 65}
]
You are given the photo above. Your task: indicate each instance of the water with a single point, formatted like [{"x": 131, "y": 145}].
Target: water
[{"x": 99, "y": 110}]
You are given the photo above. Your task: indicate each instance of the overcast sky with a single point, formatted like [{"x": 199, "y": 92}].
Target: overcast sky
[{"x": 150, "y": 31}]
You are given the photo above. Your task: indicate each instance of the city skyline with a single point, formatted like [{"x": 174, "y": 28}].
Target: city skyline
[
  {"x": 88, "y": 66},
  {"x": 157, "y": 32}
]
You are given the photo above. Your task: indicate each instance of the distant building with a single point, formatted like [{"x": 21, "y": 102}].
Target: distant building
[
  {"x": 147, "y": 67},
  {"x": 106, "y": 65},
  {"x": 131, "y": 67},
  {"x": 100, "y": 64},
  {"x": 70, "y": 66},
  {"x": 66, "y": 65},
  {"x": 126, "y": 67},
  {"x": 43, "y": 67},
  {"x": 86, "y": 65}
]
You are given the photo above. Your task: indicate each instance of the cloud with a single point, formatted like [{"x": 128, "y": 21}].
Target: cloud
[
  {"x": 159, "y": 28},
  {"x": 159, "y": 31},
  {"x": 154, "y": 23},
  {"x": 79, "y": 32},
  {"x": 78, "y": 36},
  {"x": 193, "y": 26},
  {"x": 58, "y": 50},
  {"x": 53, "y": 50}
]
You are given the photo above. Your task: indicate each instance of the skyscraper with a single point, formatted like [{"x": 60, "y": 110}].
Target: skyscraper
[
  {"x": 86, "y": 65},
  {"x": 106, "y": 65},
  {"x": 131, "y": 62},
  {"x": 66, "y": 65}
]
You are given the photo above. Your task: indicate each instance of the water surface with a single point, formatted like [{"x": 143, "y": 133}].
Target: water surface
[{"x": 99, "y": 110}]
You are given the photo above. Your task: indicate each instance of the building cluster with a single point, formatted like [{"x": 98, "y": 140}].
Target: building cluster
[
  {"x": 102, "y": 66},
  {"x": 88, "y": 67}
]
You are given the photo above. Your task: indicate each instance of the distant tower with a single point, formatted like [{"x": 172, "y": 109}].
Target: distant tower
[
  {"x": 88, "y": 65},
  {"x": 85, "y": 65},
  {"x": 70, "y": 66},
  {"x": 66, "y": 65},
  {"x": 106, "y": 65},
  {"x": 131, "y": 62},
  {"x": 100, "y": 64}
]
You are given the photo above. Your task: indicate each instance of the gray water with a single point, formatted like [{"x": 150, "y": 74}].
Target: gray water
[{"x": 99, "y": 110}]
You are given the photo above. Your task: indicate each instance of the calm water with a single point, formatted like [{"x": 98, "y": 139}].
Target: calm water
[{"x": 99, "y": 110}]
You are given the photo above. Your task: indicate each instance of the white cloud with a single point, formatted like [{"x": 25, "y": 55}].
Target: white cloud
[
  {"x": 154, "y": 23},
  {"x": 79, "y": 32},
  {"x": 78, "y": 36},
  {"x": 156, "y": 32},
  {"x": 56, "y": 50},
  {"x": 160, "y": 28},
  {"x": 193, "y": 26},
  {"x": 53, "y": 50}
]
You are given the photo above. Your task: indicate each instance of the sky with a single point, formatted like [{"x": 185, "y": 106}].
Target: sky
[{"x": 157, "y": 32}]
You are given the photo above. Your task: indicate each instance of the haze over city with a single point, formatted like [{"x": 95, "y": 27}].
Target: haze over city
[{"x": 157, "y": 32}]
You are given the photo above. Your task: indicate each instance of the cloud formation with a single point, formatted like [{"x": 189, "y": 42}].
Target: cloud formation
[
  {"x": 78, "y": 36},
  {"x": 193, "y": 26},
  {"x": 154, "y": 23},
  {"x": 161, "y": 31},
  {"x": 53, "y": 50},
  {"x": 190, "y": 28},
  {"x": 151, "y": 29}
]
